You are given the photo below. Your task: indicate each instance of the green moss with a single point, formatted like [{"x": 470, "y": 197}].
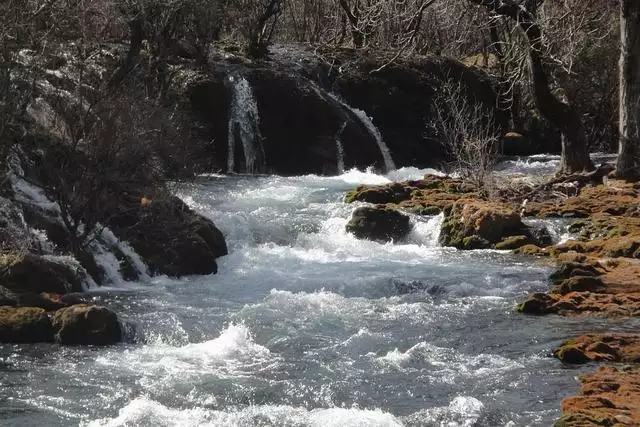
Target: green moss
[{"x": 351, "y": 196}]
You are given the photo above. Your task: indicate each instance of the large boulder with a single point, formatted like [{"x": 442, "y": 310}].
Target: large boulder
[
  {"x": 170, "y": 237},
  {"x": 86, "y": 325},
  {"x": 378, "y": 224},
  {"x": 27, "y": 272},
  {"x": 477, "y": 224},
  {"x": 25, "y": 325}
]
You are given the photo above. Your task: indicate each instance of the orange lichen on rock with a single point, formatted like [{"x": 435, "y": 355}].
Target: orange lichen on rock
[
  {"x": 609, "y": 288},
  {"x": 616, "y": 198},
  {"x": 617, "y": 347},
  {"x": 608, "y": 397},
  {"x": 428, "y": 196}
]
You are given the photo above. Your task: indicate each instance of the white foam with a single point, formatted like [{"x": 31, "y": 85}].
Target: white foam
[
  {"x": 233, "y": 352},
  {"x": 462, "y": 411},
  {"x": 143, "y": 411},
  {"x": 132, "y": 256},
  {"x": 426, "y": 232},
  {"x": 447, "y": 365}
]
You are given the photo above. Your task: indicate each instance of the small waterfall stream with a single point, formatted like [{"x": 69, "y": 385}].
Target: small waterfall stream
[
  {"x": 244, "y": 125},
  {"x": 340, "y": 148},
  {"x": 366, "y": 121},
  {"x": 375, "y": 132}
]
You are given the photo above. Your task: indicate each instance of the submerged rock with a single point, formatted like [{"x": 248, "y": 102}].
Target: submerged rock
[
  {"x": 25, "y": 325},
  {"x": 379, "y": 224},
  {"x": 86, "y": 325}
]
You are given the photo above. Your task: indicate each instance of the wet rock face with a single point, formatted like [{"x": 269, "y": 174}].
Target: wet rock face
[
  {"x": 86, "y": 325},
  {"x": 379, "y": 224},
  {"x": 305, "y": 105},
  {"x": 13, "y": 232},
  {"x": 169, "y": 236}
]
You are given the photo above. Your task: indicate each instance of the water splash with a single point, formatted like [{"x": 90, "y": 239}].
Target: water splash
[{"x": 244, "y": 125}]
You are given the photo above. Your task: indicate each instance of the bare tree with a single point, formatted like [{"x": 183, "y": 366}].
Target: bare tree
[
  {"x": 556, "y": 109},
  {"x": 629, "y": 152},
  {"x": 466, "y": 128}
]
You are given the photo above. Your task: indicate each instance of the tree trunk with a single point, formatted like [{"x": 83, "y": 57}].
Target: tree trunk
[
  {"x": 628, "y": 165},
  {"x": 357, "y": 37},
  {"x": 135, "y": 45},
  {"x": 575, "y": 156}
]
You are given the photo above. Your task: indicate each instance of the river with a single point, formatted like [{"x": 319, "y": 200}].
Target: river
[{"x": 306, "y": 326}]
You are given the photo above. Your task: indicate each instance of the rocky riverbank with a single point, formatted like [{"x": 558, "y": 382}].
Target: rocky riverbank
[{"x": 598, "y": 266}]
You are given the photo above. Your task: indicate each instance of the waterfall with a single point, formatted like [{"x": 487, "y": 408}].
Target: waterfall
[
  {"x": 244, "y": 124},
  {"x": 130, "y": 256},
  {"x": 340, "y": 148},
  {"x": 373, "y": 131}
]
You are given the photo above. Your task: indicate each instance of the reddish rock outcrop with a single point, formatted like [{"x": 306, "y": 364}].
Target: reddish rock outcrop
[
  {"x": 609, "y": 347},
  {"x": 608, "y": 397}
]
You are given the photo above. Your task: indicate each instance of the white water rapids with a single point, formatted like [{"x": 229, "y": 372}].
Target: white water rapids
[{"x": 307, "y": 326}]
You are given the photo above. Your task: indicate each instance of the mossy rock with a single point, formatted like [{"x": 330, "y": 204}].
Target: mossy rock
[{"x": 25, "y": 325}]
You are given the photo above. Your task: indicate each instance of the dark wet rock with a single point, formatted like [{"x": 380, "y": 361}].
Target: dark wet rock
[
  {"x": 86, "y": 325},
  {"x": 571, "y": 354},
  {"x": 538, "y": 303},
  {"x": 379, "y": 224},
  {"x": 36, "y": 273},
  {"x": 580, "y": 284},
  {"x": 513, "y": 242},
  {"x": 301, "y": 103},
  {"x": 25, "y": 325},
  {"x": 170, "y": 237}
]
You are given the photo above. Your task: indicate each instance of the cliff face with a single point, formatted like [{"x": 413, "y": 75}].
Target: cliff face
[{"x": 319, "y": 116}]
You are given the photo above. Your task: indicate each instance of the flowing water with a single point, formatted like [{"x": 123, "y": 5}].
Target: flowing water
[
  {"x": 306, "y": 326},
  {"x": 244, "y": 125}
]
